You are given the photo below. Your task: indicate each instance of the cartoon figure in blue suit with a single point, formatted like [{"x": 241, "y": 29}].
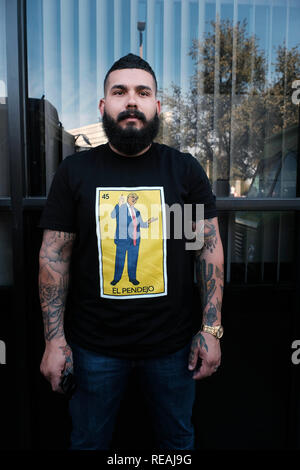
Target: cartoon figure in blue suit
[{"x": 127, "y": 237}]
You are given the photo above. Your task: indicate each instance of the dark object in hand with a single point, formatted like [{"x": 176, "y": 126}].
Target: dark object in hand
[{"x": 67, "y": 384}]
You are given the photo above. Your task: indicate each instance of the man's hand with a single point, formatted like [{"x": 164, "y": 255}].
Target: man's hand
[
  {"x": 121, "y": 200},
  {"x": 56, "y": 361},
  {"x": 206, "y": 347},
  {"x": 152, "y": 219}
]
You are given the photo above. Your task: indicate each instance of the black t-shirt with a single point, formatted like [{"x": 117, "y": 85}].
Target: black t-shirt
[{"x": 131, "y": 283}]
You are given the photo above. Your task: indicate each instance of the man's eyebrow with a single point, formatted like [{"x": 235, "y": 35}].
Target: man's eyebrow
[
  {"x": 143, "y": 87},
  {"x": 138, "y": 87},
  {"x": 122, "y": 87}
]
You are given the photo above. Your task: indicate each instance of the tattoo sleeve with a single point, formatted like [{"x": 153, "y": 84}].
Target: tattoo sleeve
[
  {"x": 55, "y": 255},
  {"x": 210, "y": 274}
]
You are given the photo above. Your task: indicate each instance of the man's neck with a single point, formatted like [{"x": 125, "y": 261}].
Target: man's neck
[{"x": 126, "y": 155}]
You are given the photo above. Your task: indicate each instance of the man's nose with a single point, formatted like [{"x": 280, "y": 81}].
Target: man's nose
[{"x": 131, "y": 103}]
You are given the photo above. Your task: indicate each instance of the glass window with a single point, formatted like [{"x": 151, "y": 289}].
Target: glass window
[
  {"x": 261, "y": 247},
  {"x": 225, "y": 71},
  {"x": 4, "y": 162},
  {"x": 6, "y": 257}
]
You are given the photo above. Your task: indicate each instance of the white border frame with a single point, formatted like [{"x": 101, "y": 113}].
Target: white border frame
[{"x": 163, "y": 211}]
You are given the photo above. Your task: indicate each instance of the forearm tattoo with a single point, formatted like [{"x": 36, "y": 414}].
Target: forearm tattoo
[
  {"x": 220, "y": 276},
  {"x": 206, "y": 280},
  {"x": 210, "y": 236},
  {"x": 210, "y": 276},
  {"x": 55, "y": 255},
  {"x": 210, "y": 315}
]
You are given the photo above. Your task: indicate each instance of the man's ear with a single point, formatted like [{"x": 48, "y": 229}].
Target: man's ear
[
  {"x": 101, "y": 106},
  {"x": 158, "y": 107}
]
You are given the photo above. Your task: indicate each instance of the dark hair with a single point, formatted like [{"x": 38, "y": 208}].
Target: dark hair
[{"x": 131, "y": 61}]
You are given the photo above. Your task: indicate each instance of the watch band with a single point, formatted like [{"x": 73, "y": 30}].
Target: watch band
[{"x": 216, "y": 331}]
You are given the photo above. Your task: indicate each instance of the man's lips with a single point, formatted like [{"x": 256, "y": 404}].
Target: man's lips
[
  {"x": 131, "y": 118},
  {"x": 134, "y": 116}
]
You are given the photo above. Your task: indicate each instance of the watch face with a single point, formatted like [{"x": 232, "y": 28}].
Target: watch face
[{"x": 220, "y": 332}]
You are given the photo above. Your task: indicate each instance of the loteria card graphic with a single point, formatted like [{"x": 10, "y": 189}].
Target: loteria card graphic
[{"x": 131, "y": 232}]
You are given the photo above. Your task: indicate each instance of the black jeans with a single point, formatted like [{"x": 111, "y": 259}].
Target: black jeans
[{"x": 166, "y": 382}]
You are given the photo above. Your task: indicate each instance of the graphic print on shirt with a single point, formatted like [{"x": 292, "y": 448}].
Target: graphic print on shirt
[{"x": 131, "y": 232}]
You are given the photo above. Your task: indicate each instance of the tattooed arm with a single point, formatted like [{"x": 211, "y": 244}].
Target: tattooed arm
[
  {"x": 55, "y": 255},
  {"x": 210, "y": 279}
]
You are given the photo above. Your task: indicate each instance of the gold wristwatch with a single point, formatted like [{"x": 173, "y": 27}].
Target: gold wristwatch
[{"x": 216, "y": 331}]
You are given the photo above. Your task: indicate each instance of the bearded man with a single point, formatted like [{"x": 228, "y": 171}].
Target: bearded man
[{"x": 93, "y": 332}]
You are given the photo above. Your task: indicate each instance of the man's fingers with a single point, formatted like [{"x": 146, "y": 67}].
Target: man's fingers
[
  {"x": 206, "y": 370},
  {"x": 55, "y": 387},
  {"x": 54, "y": 382},
  {"x": 200, "y": 372},
  {"x": 54, "y": 378},
  {"x": 193, "y": 358}
]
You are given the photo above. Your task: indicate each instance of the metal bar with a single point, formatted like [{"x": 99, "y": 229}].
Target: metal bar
[
  {"x": 32, "y": 203},
  {"x": 5, "y": 202},
  {"x": 263, "y": 245},
  {"x": 246, "y": 257},
  {"x": 184, "y": 58},
  {"x": 223, "y": 204},
  {"x": 279, "y": 249},
  {"x": 270, "y": 32},
  {"x": 168, "y": 39},
  {"x": 117, "y": 29},
  {"x": 150, "y": 33},
  {"x": 233, "y": 91},
  {"x": 184, "y": 64},
  {"x": 168, "y": 45},
  {"x": 268, "y": 204},
  {"x": 16, "y": 88},
  {"x": 229, "y": 246},
  {"x": 136, "y": 39},
  {"x": 86, "y": 59},
  {"x": 217, "y": 148},
  {"x": 69, "y": 87},
  {"x": 102, "y": 45},
  {"x": 200, "y": 74},
  {"x": 52, "y": 54}
]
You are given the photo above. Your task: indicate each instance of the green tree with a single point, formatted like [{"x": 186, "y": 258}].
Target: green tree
[
  {"x": 230, "y": 108},
  {"x": 265, "y": 114}
]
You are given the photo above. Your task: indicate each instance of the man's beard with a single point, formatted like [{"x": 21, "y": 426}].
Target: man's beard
[{"x": 130, "y": 140}]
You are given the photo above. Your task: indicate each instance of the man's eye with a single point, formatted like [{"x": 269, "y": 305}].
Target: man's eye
[
  {"x": 144, "y": 93},
  {"x": 118, "y": 92}
]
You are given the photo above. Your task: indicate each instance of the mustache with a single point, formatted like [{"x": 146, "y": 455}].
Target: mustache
[{"x": 128, "y": 114}]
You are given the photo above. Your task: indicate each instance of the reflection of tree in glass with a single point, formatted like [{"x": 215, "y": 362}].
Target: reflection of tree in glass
[{"x": 230, "y": 108}]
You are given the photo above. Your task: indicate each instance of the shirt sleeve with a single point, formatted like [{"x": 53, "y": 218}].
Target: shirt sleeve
[
  {"x": 200, "y": 191},
  {"x": 59, "y": 212}
]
